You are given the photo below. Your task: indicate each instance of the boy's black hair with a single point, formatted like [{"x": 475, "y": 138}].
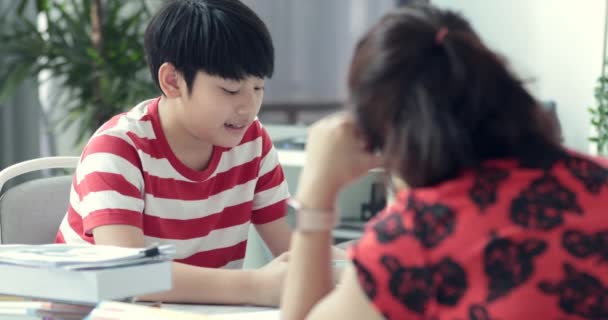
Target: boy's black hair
[{"x": 223, "y": 38}]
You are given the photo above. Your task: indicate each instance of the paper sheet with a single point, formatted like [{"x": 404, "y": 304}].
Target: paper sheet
[{"x": 252, "y": 315}]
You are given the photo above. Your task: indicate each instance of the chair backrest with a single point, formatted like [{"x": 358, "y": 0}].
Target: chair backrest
[{"x": 30, "y": 213}]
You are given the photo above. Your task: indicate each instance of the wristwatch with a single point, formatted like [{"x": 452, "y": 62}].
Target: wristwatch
[{"x": 310, "y": 220}]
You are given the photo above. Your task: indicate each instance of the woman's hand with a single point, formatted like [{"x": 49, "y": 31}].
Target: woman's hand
[{"x": 336, "y": 155}]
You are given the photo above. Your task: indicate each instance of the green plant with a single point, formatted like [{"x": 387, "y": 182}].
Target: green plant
[
  {"x": 599, "y": 116},
  {"x": 92, "y": 48},
  {"x": 599, "y": 113}
]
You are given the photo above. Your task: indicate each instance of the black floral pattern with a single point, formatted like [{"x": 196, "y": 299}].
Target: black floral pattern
[
  {"x": 589, "y": 173},
  {"x": 509, "y": 264},
  {"x": 432, "y": 222},
  {"x": 366, "y": 280},
  {"x": 543, "y": 204},
  {"x": 484, "y": 191},
  {"x": 582, "y": 245},
  {"x": 579, "y": 293},
  {"x": 390, "y": 228},
  {"x": 416, "y": 286}
]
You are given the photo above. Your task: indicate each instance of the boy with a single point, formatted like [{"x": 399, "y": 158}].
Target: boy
[{"x": 194, "y": 167}]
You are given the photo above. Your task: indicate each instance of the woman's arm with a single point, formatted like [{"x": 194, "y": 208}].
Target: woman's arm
[
  {"x": 335, "y": 157},
  {"x": 309, "y": 277}
]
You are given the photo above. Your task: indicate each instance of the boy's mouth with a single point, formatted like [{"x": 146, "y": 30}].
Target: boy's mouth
[{"x": 231, "y": 125}]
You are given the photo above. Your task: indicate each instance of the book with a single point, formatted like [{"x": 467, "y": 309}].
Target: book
[
  {"x": 10, "y": 298},
  {"x": 83, "y": 274},
  {"x": 81, "y": 256},
  {"x": 42, "y": 310}
]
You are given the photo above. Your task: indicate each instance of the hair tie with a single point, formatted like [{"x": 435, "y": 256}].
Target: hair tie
[{"x": 440, "y": 35}]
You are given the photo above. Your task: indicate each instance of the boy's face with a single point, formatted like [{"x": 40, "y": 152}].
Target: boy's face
[{"x": 219, "y": 111}]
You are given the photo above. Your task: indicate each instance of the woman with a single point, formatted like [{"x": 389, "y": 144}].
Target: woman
[{"x": 498, "y": 222}]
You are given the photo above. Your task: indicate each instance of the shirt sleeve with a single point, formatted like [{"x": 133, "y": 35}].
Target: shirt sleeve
[
  {"x": 391, "y": 266},
  {"x": 109, "y": 184},
  {"x": 271, "y": 192}
]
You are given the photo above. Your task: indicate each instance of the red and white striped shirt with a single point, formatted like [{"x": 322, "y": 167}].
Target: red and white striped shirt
[{"x": 128, "y": 175}]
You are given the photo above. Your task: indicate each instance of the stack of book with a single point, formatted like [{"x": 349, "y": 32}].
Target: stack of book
[
  {"x": 26, "y": 310},
  {"x": 83, "y": 274}
]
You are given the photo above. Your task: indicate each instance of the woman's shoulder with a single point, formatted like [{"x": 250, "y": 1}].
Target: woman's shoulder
[{"x": 589, "y": 173}]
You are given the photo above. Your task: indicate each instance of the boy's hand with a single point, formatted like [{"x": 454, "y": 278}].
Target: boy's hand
[
  {"x": 267, "y": 282},
  {"x": 336, "y": 155}
]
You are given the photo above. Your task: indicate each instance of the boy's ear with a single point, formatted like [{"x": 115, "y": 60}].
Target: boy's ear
[{"x": 168, "y": 79}]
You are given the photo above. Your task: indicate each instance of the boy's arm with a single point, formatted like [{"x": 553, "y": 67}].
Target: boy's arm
[
  {"x": 269, "y": 215},
  {"x": 276, "y": 234},
  {"x": 204, "y": 285}
]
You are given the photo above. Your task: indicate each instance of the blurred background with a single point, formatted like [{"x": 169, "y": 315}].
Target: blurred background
[{"x": 68, "y": 65}]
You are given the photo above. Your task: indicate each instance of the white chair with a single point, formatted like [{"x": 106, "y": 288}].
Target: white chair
[{"x": 30, "y": 213}]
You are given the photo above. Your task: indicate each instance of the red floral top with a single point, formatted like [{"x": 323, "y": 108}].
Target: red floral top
[{"x": 504, "y": 241}]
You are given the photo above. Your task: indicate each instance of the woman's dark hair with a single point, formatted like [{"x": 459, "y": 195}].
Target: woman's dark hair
[
  {"x": 220, "y": 37},
  {"x": 436, "y": 103}
]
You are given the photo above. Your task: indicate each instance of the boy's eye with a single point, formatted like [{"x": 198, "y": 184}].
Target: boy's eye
[
  {"x": 258, "y": 88},
  {"x": 231, "y": 92}
]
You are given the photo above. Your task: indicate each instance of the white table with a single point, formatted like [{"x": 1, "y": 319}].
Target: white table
[
  {"x": 213, "y": 309},
  {"x": 221, "y": 312}
]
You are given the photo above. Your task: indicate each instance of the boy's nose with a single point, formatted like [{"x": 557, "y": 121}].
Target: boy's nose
[{"x": 247, "y": 105}]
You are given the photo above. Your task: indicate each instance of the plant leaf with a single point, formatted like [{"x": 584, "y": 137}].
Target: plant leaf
[{"x": 13, "y": 80}]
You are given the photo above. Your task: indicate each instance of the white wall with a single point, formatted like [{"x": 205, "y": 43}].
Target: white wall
[{"x": 557, "y": 43}]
